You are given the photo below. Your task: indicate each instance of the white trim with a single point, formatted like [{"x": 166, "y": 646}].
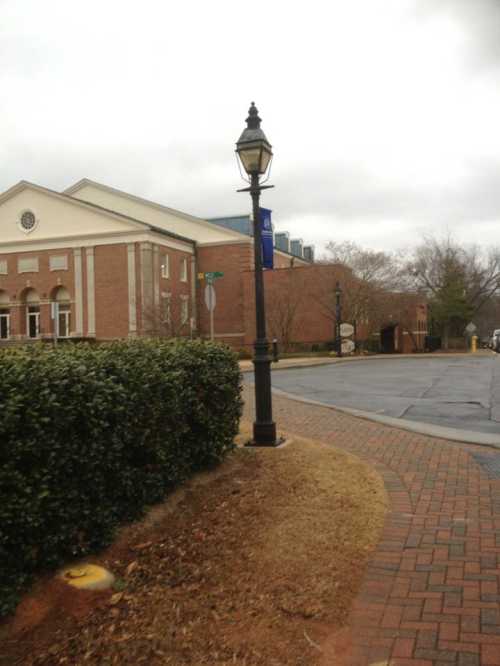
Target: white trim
[
  {"x": 77, "y": 253},
  {"x": 156, "y": 277},
  {"x": 89, "y": 253},
  {"x": 194, "y": 282},
  {"x": 19, "y": 224},
  {"x": 25, "y": 261},
  {"x": 84, "y": 182},
  {"x": 25, "y": 185},
  {"x": 132, "y": 300},
  {"x": 91, "y": 240},
  {"x": 184, "y": 269},
  {"x": 165, "y": 266},
  {"x": 64, "y": 263}
]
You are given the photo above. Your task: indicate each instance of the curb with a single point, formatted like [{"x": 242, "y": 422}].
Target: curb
[
  {"x": 307, "y": 363},
  {"x": 440, "y": 432}
]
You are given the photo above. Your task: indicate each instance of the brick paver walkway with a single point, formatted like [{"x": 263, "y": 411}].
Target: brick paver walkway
[{"x": 431, "y": 593}]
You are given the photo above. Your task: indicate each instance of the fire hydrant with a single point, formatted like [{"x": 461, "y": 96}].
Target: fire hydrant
[{"x": 473, "y": 343}]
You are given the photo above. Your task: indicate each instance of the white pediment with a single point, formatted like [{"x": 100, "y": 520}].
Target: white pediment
[
  {"x": 30, "y": 212},
  {"x": 153, "y": 213}
]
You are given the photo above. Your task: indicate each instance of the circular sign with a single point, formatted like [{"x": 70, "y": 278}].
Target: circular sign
[
  {"x": 346, "y": 330},
  {"x": 347, "y": 346}
]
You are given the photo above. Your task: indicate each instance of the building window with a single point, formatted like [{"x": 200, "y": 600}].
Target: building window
[
  {"x": 4, "y": 324},
  {"x": 58, "y": 262},
  {"x": 33, "y": 321},
  {"x": 184, "y": 270},
  {"x": 165, "y": 266},
  {"x": 166, "y": 312},
  {"x": 3, "y": 266},
  {"x": 184, "y": 309},
  {"x": 27, "y": 221},
  {"x": 27, "y": 265}
]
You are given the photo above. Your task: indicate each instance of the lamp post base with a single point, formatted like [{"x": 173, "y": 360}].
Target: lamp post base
[{"x": 264, "y": 434}]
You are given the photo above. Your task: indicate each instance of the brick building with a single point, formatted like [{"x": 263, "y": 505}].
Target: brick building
[{"x": 95, "y": 263}]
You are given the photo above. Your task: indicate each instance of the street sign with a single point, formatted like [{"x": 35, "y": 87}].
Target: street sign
[
  {"x": 471, "y": 328},
  {"x": 213, "y": 275},
  {"x": 210, "y": 299},
  {"x": 347, "y": 346},
  {"x": 346, "y": 330}
]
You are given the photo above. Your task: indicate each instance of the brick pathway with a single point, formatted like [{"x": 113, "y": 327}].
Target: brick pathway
[{"x": 430, "y": 596}]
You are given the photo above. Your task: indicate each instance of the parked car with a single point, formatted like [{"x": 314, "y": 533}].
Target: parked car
[{"x": 495, "y": 340}]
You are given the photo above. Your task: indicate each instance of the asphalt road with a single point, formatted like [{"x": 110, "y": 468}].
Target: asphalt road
[{"x": 456, "y": 392}]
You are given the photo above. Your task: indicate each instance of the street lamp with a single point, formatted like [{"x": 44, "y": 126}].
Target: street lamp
[
  {"x": 255, "y": 153},
  {"x": 338, "y": 317}
]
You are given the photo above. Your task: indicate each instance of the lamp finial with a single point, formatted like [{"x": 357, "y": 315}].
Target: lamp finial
[{"x": 253, "y": 120}]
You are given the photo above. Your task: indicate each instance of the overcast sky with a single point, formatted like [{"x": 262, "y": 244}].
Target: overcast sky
[{"x": 384, "y": 115}]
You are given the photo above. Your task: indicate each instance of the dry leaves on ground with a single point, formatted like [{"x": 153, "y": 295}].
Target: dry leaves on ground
[{"x": 255, "y": 563}]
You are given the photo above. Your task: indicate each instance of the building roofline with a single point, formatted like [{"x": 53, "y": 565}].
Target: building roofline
[
  {"x": 24, "y": 184},
  {"x": 107, "y": 188}
]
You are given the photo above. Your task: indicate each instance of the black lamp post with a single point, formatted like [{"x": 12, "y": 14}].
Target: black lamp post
[
  {"x": 338, "y": 319},
  {"x": 255, "y": 153}
]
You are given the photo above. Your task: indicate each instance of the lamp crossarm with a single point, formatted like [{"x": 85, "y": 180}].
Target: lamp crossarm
[{"x": 259, "y": 188}]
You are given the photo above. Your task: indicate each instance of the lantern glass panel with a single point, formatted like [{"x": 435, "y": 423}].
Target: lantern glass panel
[{"x": 250, "y": 158}]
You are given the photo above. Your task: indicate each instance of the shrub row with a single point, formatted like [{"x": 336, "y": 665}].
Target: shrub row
[{"x": 90, "y": 435}]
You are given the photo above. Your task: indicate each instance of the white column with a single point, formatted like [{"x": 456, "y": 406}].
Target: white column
[
  {"x": 194, "y": 282},
  {"x": 132, "y": 300},
  {"x": 147, "y": 286},
  {"x": 156, "y": 278},
  {"x": 90, "y": 292},
  {"x": 77, "y": 253}
]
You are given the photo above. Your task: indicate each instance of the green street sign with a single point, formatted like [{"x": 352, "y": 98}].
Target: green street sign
[{"x": 213, "y": 275}]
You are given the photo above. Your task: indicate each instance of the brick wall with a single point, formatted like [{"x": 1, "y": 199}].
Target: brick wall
[
  {"x": 299, "y": 303},
  {"x": 111, "y": 291},
  {"x": 232, "y": 260}
]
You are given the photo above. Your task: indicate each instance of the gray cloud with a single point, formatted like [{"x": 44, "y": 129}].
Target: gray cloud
[
  {"x": 369, "y": 118},
  {"x": 480, "y": 21}
]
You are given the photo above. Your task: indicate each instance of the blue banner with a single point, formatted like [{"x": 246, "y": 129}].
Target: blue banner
[{"x": 267, "y": 238}]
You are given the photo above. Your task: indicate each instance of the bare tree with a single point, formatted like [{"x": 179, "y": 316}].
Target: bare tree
[
  {"x": 283, "y": 311},
  {"x": 165, "y": 320},
  {"x": 382, "y": 270},
  {"x": 282, "y": 317}
]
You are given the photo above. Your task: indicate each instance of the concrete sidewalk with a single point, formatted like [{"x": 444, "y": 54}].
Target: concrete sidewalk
[{"x": 431, "y": 592}]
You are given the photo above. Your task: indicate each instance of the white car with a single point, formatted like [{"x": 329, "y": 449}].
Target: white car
[{"x": 495, "y": 340}]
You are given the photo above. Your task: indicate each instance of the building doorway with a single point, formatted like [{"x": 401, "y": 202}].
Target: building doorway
[
  {"x": 31, "y": 302},
  {"x": 388, "y": 339},
  {"x": 61, "y": 312}
]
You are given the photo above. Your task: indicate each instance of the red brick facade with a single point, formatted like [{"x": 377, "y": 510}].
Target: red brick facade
[
  {"x": 119, "y": 276},
  {"x": 107, "y": 266}
]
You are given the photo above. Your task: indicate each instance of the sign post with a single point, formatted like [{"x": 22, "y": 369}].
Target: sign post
[
  {"x": 210, "y": 299},
  {"x": 210, "y": 302}
]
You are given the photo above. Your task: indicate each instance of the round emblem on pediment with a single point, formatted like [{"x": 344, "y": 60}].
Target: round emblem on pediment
[{"x": 27, "y": 221}]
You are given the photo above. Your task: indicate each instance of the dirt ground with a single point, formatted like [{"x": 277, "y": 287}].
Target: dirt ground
[{"x": 253, "y": 564}]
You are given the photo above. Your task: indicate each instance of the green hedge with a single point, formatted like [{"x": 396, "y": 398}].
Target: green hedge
[{"x": 89, "y": 435}]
